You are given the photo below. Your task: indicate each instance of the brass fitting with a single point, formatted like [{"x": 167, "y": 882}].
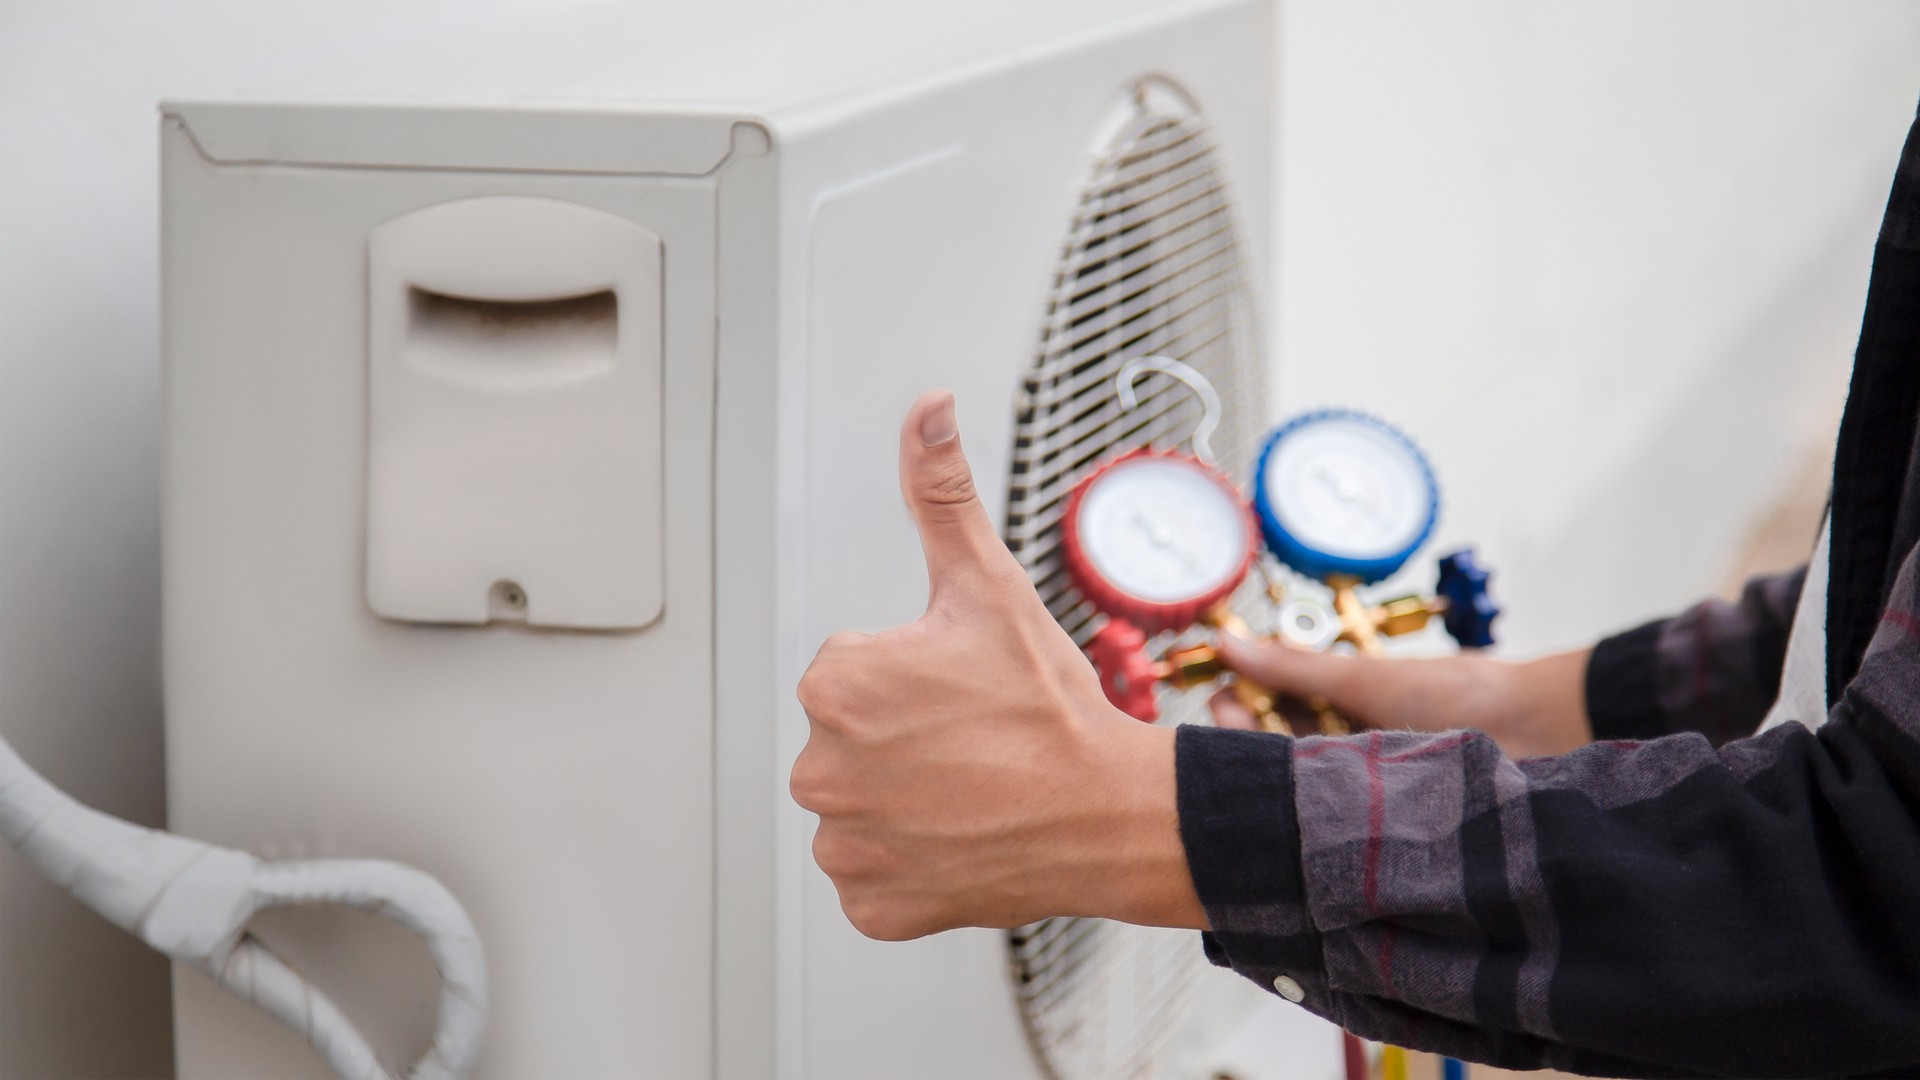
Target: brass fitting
[
  {"x": 1407, "y": 614},
  {"x": 1190, "y": 666},
  {"x": 1363, "y": 627}
]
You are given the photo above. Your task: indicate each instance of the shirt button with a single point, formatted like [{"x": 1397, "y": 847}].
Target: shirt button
[{"x": 1288, "y": 988}]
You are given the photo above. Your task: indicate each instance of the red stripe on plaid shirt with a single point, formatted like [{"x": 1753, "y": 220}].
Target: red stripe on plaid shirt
[
  {"x": 1376, "y": 838},
  {"x": 1377, "y": 820},
  {"x": 1902, "y": 620}
]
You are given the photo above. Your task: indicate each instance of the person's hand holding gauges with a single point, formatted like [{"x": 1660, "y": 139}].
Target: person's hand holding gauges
[{"x": 1158, "y": 541}]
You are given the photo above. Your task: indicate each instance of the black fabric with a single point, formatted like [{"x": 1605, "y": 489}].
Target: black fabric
[
  {"x": 1767, "y": 648},
  {"x": 1484, "y": 876},
  {"x": 1871, "y": 478},
  {"x": 1247, "y": 785},
  {"x": 1235, "y": 792},
  {"x": 1622, "y": 692},
  {"x": 1715, "y": 668},
  {"x": 1729, "y": 927}
]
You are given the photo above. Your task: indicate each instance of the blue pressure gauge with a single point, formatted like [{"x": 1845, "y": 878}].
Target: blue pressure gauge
[{"x": 1341, "y": 493}]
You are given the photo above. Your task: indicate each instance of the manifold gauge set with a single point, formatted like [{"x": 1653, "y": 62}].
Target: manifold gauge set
[{"x": 1157, "y": 540}]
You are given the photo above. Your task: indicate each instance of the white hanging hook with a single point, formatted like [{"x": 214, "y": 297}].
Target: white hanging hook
[{"x": 1130, "y": 373}]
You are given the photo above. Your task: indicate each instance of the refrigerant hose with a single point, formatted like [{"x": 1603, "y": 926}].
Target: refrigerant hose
[{"x": 192, "y": 901}]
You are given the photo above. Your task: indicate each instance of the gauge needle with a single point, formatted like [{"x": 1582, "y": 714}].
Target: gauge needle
[
  {"x": 1350, "y": 493},
  {"x": 1162, "y": 537}
]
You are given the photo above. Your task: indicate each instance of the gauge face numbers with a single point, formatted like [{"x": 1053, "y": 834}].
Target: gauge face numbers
[
  {"x": 1163, "y": 530},
  {"x": 1351, "y": 488}
]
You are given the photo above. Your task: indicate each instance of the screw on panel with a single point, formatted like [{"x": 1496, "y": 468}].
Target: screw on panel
[{"x": 507, "y": 602}]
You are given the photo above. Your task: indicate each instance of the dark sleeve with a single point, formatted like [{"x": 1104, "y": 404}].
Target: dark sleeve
[
  {"x": 1653, "y": 908},
  {"x": 1714, "y": 668}
]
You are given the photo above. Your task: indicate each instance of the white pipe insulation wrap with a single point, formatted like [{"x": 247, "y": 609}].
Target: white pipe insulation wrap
[{"x": 192, "y": 901}]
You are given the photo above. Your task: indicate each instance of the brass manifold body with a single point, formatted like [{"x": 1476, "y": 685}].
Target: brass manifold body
[{"x": 1361, "y": 626}]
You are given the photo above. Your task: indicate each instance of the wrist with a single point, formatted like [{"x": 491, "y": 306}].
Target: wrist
[
  {"x": 1133, "y": 863},
  {"x": 1549, "y": 703}
]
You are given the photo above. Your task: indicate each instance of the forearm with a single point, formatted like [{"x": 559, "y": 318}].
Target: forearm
[{"x": 1126, "y": 859}]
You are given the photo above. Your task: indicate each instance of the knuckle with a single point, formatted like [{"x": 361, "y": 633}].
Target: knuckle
[
  {"x": 807, "y": 783},
  {"x": 878, "y": 918},
  {"x": 819, "y": 691},
  {"x": 857, "y": 909},
  {"x": 843, "y": 854},
  {"x": 827, "y": 851},
  {"x": 949, "y": 484},
  {"x": 820, "y": 787},
  {"x": 842, "y": 641},
  {"x": 822, "y": 687},
  {"x": 808, "y": 690}
]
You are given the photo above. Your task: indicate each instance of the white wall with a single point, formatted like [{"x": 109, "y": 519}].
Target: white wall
[{"x": 1606, "y": 260}]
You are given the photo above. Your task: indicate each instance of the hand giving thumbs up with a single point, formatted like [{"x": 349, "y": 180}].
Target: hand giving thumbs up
[{"x": 966, "y": 767}]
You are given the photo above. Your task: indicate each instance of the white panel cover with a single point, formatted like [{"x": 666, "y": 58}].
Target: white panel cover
[{"x": 513, "y": 442}]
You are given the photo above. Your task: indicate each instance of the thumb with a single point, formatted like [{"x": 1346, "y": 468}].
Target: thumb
[
  {"x": 959, "y": 542},
  {"x": 1286, "y": 668}
]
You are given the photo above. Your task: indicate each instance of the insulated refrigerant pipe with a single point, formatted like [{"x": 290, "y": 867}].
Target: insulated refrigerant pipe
[{"x": 192, "y": 901}]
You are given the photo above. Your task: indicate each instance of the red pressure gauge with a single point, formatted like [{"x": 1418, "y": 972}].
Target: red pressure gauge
[{"x": 1152, "y": 539}]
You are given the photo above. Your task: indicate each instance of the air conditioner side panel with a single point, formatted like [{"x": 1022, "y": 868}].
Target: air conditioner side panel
[
  {"x": 558, "y": 782},
  {"x": 918, "y": 240},
  {"x": 880, "y": 298},
  {"x": 892, "y": 309}
]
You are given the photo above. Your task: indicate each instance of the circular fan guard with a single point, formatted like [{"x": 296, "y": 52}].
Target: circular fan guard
[{"x": 1151, "y": 265}]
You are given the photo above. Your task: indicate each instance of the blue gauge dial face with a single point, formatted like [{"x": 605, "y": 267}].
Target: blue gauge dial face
[
  {"x": 1349, "y": 489},
  {"x": 1344, "y": 493}
]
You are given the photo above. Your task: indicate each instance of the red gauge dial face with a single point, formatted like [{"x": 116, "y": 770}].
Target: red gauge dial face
[{"x": 1157, "y": 538}]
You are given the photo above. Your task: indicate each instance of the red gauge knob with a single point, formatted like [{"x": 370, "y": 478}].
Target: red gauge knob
[
  {"x": 1155, "y": 538},
  {"x": 1119, "y": 653}
]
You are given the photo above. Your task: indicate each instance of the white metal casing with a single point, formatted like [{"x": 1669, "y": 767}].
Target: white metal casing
[{"x": 845, "y": 219}]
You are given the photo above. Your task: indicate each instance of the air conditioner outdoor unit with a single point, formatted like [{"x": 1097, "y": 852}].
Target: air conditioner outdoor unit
[{"x": 531, "y": 410}]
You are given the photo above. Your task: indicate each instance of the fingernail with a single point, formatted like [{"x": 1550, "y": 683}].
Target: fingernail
[{"x": 938, "y": 425}]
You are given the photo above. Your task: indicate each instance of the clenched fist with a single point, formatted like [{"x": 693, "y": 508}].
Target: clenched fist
[{"x": 966, "y": 767}]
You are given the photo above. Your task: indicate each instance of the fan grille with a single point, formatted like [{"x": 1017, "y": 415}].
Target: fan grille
[{"x": 1151, "y": 266}]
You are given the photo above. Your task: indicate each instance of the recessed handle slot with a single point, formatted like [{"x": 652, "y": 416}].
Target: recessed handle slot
[{"x": 512, "y": 344}]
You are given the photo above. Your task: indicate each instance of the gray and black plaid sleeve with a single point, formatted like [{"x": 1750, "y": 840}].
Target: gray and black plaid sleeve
[
  {"x": 1714, "y": 668},
  {"x": 1632, "y": 908}
]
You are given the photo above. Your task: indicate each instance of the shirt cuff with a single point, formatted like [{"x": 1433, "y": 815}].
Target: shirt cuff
[
  {"x": 1623, "y": 688},
  {"x": 1238, "y": 824}
]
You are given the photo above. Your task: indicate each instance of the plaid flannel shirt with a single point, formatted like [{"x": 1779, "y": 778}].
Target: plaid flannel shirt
[{"x": 1682, "y": 897}]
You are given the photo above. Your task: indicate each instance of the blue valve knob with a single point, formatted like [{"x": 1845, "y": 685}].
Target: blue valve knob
[{"x": 1470, "y": 611}]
